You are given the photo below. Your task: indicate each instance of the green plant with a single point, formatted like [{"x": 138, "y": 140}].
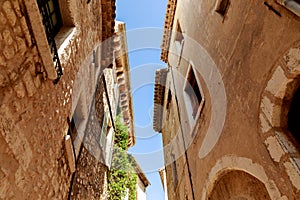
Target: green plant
[{"x": 121, "y": 176}]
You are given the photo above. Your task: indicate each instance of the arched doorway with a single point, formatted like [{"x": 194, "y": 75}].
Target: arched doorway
[
  {"x": 293, "y": 116},
  {"x": 238, "y": 185}
]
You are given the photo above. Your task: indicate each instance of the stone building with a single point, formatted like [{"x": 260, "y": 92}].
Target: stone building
[
  {"x": 142, "y": 181},
  {"x": 60, "y": 79},
  {"x": 227, "y": 104},
  {"x": 94, "y": 152}
]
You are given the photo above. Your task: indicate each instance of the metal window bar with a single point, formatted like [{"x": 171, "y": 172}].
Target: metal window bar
[{"x": 52, "y": 29}]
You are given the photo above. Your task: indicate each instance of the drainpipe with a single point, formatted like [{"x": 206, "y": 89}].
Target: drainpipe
[
  {"x": 182, "y": 135},
  {"x": 291, "y": 5}
]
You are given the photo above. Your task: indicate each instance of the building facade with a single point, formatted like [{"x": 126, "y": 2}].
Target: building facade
[
  {"x": 227, "y": 103},
  {"x": 60, "y": 86}
]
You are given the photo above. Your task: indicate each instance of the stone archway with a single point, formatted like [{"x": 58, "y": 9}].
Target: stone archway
[
  {"x": 226, "y": 170},
  {"x": 238, "y": 185},
  {"x": 275, "y": 116}
]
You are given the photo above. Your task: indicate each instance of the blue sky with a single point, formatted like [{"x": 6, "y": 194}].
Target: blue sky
[{"x": 141, "y": 14}]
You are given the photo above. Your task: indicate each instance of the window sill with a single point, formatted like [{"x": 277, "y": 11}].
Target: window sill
[{"x": 63, "y": 38}]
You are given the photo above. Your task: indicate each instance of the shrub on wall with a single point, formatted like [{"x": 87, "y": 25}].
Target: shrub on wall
[{"x": 122, "y": 176}]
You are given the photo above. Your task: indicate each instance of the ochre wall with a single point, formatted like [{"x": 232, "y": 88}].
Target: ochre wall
[{"x": 238, "y": 53}]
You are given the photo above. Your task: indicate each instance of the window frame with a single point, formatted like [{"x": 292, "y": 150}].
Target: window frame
[
  {"x": 187, "y": 99},
  {"x": 222, "y": 7},
  {"x": 179, "y": 40},
  {"x": 63, "y": 37},
  {"x": 45, "y": 10}
]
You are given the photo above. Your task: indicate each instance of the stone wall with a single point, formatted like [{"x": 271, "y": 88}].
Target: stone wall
[{"x": 34, "y": 111}]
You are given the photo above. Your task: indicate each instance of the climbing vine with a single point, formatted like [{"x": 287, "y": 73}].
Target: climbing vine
[{"x": 121, "y": 177}]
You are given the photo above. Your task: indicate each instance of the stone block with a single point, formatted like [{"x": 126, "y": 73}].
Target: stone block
[
  {"x": 265, "y": 127},
  {"x": 3, "y": 79},
  {"x": 4, "y": 188},
  {"x": 293, "y": 174},
  {"x": 19, "y": 88},
  {"x": 21, "y": 45},
  {"x": 16, "y": 8},
  {"x": 17, "y": 30},
  {"x": 2, "y": 61},
  {"x": 272, "y": 111},
  {"x": 292, "y": 60},
  {"x": 29, "y": 84},
  {"x": 7, "y": 37},
  {"x": 13, "y": 76},
  {"x": 277, "y": 81},
  {"x": 10, "y": 14},
  {"x": 9, "y": 52},
  {"x": 274, "y": 148},
  {"x": 25, "y": 31},
  {"x": 3, "y": 19},
  {"x": 37, "y": 81},
  {"x": 20, "y": 178}
]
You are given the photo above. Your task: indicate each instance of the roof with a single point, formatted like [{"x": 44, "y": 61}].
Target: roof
[
  {"x": 171, "y": 8},
  {"x": 123, "y": 79},
  {"x": 139, "y": 171},
  {"x": 159, "y": 93},
  {"x": 162, "y": 176}
]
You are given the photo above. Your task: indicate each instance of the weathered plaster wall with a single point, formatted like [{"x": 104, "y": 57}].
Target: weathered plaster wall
[{"x": 244, "y": 47}]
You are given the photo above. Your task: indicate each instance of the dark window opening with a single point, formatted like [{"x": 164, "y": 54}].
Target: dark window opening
[
  {"x": 178, "y": 35},
  {"x": 72, "y": 131},
  {"x": 52, "y": 22},
  {"x": 193, "y": 91},
  {"x": 294, "y": 116},
  {"x": 169, "y": 99},
  {"x": 51, "y": 16},
  {"x": 222, "y": 7}
]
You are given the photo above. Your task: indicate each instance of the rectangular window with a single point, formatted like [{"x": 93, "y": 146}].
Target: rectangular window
[
  {"x": 51, "y": 16},
  {"x": 192, "y": 94},
  {"x": 222, "y": 7},
  {"x": 168, "y": 106},
  {"x": 179, "y": 41},
  {"x": 178, "y": 35},
  {"x": 52, "y": 21}
]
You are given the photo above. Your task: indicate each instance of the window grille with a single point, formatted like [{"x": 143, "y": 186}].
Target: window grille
[{"x": 52, "y": 22}]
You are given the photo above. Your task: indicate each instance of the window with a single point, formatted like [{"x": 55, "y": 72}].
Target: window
[
  {"x": 168, "y": 106},
  {"x": 72, "y": 131},
  {"x": 179, "y": 39},
  {"x": 51, "y": 16},
  {"x": 178, "y": 35},
  {"x": 52, "y": 22},
  {"x": 222, "y": 7},
  {"x": 192, "y": 94}
]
